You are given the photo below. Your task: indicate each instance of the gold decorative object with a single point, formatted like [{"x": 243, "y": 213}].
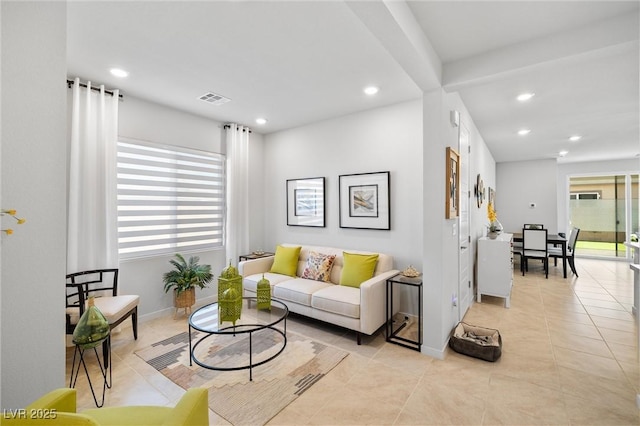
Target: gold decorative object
[
  {"x": 264, "y": 293},
  {"x": 230, "y": 280},
  {"x": 230, "y": 305},
  {"x": 411, "y": 272}
]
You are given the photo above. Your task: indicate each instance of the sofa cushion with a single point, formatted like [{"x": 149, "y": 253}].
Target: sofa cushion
[
  {"x": 341, "y": 300},
  {"x": 357, "y": 268},
  {"x": 251, "y": 282},
  {"x": 286, "y": 260},
  {"x": 318, "y": 266},
  {"x": 298, "y": 290}
]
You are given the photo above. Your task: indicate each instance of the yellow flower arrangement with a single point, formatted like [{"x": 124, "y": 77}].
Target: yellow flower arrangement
[
  {"x": 491, "y": 213},
  {"x": 12, "y": 213},
  {"x": 495, "y": 226}
]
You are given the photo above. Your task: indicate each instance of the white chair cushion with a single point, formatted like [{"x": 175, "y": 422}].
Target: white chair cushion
[
  {"x": 338, "y": 299},
  {"x": 534, "y": 253},
  {"x": 112, "y": 307},
  {"x": 298, "y": 290},
  {"x": 251, "y": 282}
]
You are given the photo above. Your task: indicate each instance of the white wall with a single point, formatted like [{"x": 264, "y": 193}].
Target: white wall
[
  {"x": 383, "y": 139},
  {"x": 483, "y": 164},
  {"x": 33, "y": 170},
  {"x": 441, "y": 242},
  {"x": 581, "y": 169},
  {"x": 142, "y": 120},
  {"x": 408, "y": 139},
  {"x": 520, "y": 183}
]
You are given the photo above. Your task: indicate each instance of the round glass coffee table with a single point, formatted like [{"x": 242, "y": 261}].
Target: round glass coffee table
[{"x": 252, "y": 320}]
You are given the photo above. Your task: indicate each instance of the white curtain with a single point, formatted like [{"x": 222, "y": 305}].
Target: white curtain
[
  {"x": 237, "y": 230},
  {"x": 92, "y": 236}
]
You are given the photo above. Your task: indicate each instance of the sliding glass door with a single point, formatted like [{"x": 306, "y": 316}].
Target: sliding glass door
[{"x": 605, "y": 208}]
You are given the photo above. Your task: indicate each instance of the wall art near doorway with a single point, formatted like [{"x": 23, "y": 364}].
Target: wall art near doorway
[
  {"x": 365, "y": 201},
  {"x": 452, "y": 208},
  {"x": 306, "y": 202}
]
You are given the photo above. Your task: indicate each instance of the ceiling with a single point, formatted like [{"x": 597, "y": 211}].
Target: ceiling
[{"x": 296, "y": 63}]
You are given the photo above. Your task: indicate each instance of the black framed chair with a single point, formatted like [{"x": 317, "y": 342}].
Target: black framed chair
[
  {"x": 556, "y": 252},
  {"x": 534, "y": 243},
  {"x": 102, "y": 284}
]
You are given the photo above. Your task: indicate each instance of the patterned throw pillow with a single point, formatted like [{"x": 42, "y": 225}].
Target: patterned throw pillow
[{"x": 318, "y": 266}]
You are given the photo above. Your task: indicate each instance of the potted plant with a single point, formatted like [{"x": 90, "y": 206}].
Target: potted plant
[{"x": 184, "y": 278}]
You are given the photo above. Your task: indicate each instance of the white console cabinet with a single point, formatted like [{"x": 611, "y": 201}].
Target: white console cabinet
[{"x": 495, "y": 267}]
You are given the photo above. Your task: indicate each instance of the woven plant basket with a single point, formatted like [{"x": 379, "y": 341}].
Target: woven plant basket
[{"x": 184, "y": 300}]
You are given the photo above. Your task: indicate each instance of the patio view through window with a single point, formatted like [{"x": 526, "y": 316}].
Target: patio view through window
[{"x": 605, "y": 208}]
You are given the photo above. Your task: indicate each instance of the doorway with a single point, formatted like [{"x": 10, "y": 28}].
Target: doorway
[{"x": 605, "y": 208}]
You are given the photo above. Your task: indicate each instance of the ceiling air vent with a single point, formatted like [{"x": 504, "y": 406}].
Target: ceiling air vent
[{"x": 213, "y": 98}]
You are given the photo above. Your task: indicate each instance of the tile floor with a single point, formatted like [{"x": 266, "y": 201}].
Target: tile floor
[{"x": 569, "y": 356}]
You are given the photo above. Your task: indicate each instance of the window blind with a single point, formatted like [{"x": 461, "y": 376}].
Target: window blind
[{"x": 170, "y": 199}]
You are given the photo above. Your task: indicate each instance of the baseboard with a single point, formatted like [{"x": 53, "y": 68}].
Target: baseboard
[
  {"x": 170, "y": 311},
  {"x": 434, "y": 353}
]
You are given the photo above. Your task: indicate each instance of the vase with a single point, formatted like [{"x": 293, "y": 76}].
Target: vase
[
  {"x": 92, "y": 327},
  {"x": 495, "y": 226}
]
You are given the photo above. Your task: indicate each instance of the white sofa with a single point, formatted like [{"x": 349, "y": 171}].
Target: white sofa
[{"x": 360, "y": 309}]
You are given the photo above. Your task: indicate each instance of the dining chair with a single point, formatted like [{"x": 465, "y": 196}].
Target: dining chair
[
  {"x": 103, "y": 285},
  {"x": 517, "y": 246},
  {"x": 533, "y": 226},
  {"x": 556, "y": 252},
  {"x": 534, "y": 247}
]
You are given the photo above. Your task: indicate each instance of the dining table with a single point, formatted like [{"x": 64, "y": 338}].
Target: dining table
[{"x": 553, "y": 239}]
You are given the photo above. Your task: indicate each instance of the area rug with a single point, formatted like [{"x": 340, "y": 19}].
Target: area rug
[{"x": 275, "y": 384}]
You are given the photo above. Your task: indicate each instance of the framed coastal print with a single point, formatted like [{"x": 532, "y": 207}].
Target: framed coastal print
[
  {"x": 365, "y": 201},
  {"x": 452, "y": 182},
  {"x": 306, "y": 202}
]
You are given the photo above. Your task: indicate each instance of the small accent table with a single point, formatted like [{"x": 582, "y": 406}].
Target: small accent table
[
  {"x": 207, "y": 320},
  {"x": 398, "y": 330},
  {"x": 104, "y": 366},
  {"x": 255, "y": 255}
]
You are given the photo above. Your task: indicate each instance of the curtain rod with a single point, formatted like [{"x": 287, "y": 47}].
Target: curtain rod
[
  {"x": 226, "y": 126},
  {"x": 108, "y": 92}
]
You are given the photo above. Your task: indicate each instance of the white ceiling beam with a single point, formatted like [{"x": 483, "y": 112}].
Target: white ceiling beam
[
  {"x": 593, "y": 41},
  {"x": 395, "y": 26}
]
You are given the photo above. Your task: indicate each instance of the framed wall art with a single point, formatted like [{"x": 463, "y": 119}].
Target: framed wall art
[
  {"x": 365, "y": 201},
  {"x": 479, "y": 190},
  {"x": 452, "y": 207},
  {"x": 306, "y": 202}
]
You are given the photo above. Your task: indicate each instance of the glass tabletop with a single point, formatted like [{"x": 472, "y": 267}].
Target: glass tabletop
[{"x": 207, "y": 318}]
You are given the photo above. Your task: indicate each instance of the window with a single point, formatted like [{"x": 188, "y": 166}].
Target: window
[
  {"x": 170, "y": 199},
  {"x": 584, "y": 196}
]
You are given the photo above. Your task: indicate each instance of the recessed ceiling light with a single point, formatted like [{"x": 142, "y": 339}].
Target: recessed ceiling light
[
  {"x": 575, "y": 138},
  {"x": 523, "y": 132},
  {"x": 261, "y": 120},
  {"x": 525, "y": 96},
  {"x": 563, "y": 153},
  {"x": 118, "y": 72},
  {"x": 371, "y": 90}
]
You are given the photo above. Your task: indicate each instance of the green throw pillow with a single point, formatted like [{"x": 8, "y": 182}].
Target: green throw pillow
[
  {"x": 357, "y": 268},
  {"x": 286, "y": 261}
]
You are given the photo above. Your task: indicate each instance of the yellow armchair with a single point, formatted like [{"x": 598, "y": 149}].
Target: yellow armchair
[{"x": 58, "y": 407}]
